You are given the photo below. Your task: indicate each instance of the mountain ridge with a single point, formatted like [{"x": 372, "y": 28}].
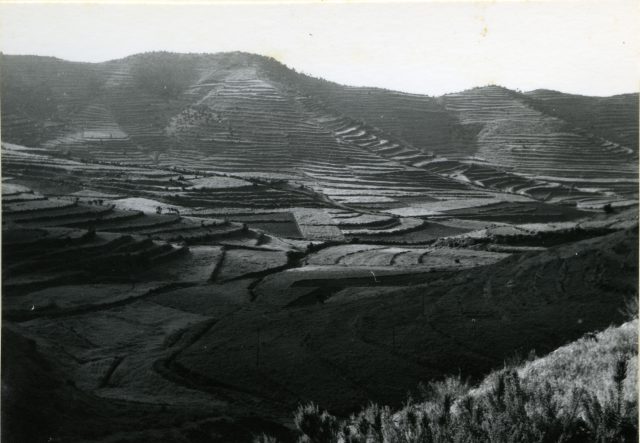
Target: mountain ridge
[
  {"x": 237, "y": 111},
  {"x": 251, "y": 54}
]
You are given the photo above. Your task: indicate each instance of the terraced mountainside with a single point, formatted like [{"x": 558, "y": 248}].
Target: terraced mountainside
[
  {"x": 193, "y": 245},
  {"x": 248, "y": 114},
  {"x": 614, "y": 118}
]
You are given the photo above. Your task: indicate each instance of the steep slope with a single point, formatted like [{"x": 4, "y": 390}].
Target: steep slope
[
  {"x": 417, "y": 120},
  {"x": 243, "y": 113},
  {"x": 39, "y": 94},
  {"x": 522, "y": 139},
  {"x": 614, "y": 118},
  {"x": 224, "y": 113}
]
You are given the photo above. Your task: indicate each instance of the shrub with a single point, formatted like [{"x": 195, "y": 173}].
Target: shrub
[
  {"x": 615, "y": 419},
  {"x": 264, "y": 439},
  {"x": 316, "y": 426},
  {"x": 507, "y": 411},
  {"x": 160, "y": 74},
  {"x": 630, "y": 308}
]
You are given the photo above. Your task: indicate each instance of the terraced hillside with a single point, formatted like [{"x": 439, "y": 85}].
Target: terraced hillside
[
  {"x": 521, "y": 139},
  {"x": 194, "y": 244},
  {"x": 249, "y": 115},
  {"x": 613, "y": 118}
]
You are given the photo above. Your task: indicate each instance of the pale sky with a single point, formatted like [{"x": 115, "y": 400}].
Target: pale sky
[{"x": 586, "y": 47}]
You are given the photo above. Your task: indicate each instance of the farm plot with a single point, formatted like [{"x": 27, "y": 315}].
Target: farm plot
[
  {"x": 310, "y": 216},
  {"x": 448, "y": 258},
  {"x": 214, "y": 299},
  {"x": 469, "y": 224},
  {"x": 68, "y": 299},
  {"x": 67, "y": 216},
  {"x": 354, "y": 220},
  {"x": 40, "y": 261},
  {"x": 21, "y": 197},
  {"x": 281, "y": 224},
  {"x": 218, "y": 182},
  {"x": 33, "y": 206},
  {"x": 14, "y": 189},
  {"x": 601, "y": 203},
  {"x": 146, "y": 205},
  {"x": 316, "y": 224},
  {"x": 90, "y": 194},
  {"x": 535, "y": 235},
  {"x": 334, "y": 254},
  {"x": 54, "y": 246},
  {"x": 425, "y": 234},
  {"x": 404, "y": 224},
  {"x": 88, "y": 219},
  {"x": 193, "y": 234},
  {"x": 380, "y": 257},
  {"x": 519, "y": 212},
  {"x": 114, "y": 351},
  {"x": 141, "y": 223},
  {"x": 247, "y": 262},
  {"x": 289, "y": 286},
  {"x": 196, "y": 265},
  {"x": 17, "y": 241},
  {"x": 447, "y": 206},
  {"x": 280, "y": 229},
  {"x": 365, "y": 200},
  {"x": 409, "y": 257},
  {"x": 374, "y": 258}
]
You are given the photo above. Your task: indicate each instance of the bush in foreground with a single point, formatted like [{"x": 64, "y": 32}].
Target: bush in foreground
[{"x": 582, "y": 392}]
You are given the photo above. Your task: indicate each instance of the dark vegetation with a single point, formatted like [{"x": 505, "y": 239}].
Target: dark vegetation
[
  {"x": 507, "y": 411},
  {"x": 162, "y": 75}
]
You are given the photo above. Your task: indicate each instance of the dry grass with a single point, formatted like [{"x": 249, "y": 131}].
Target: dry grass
[{"x": 583, "y": 392}]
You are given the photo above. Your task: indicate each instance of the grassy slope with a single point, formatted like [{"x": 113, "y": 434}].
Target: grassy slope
[{"x": 584, "y": 391}]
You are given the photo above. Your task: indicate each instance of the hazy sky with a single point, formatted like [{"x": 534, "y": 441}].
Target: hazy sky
[{"x": 436, "y": 47}]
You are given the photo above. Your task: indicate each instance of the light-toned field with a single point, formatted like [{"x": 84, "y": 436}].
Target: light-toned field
[{"x": 241, "y": 262}]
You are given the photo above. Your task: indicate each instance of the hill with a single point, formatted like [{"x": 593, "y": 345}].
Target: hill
[
  {"x": 614, "y": 118},
  {"x": 584, "y": 391},
  {"x": 246, "y": 113}
]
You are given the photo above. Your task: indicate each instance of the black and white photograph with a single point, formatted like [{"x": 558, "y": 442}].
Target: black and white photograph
[{"x": 314, "y": 221}]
